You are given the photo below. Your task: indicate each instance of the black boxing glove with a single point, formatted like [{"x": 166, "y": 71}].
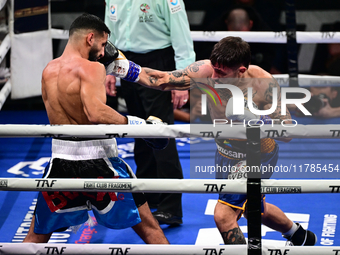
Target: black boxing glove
[
  {"x": 155, "y": 143},
  {"x": 110, "y": 54},
  {"x": 116, "y": 64}
]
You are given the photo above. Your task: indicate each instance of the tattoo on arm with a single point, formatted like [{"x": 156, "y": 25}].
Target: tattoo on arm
[
  {"x": 153, "y": 80},
  {"x": 269, "y": 99},
  {"x": 245, "y": 93},
  {"x": 176, "y": 73},
  {"x": 194, "y": 67},
  {"x": 178, "y": 76},
  {"x": 233, "y": 236},
  {"x": 225, "y": 94}
]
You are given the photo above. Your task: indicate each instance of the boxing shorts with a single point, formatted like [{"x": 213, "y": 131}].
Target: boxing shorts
[
  {"x": 56, "y": 211},
  {"x": 229, "y": 153}
]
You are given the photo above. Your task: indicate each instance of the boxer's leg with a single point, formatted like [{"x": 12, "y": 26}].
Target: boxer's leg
[{"x": 32, "y": 237}]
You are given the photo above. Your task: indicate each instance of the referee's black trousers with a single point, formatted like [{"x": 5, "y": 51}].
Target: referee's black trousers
[{"x": 144, "y": 102}]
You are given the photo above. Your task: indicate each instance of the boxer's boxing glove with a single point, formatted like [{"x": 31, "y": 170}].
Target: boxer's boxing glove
[
  {"x": 116, "y": 64},
  {"x": 155, "y": 143},
  {"x": 248, "y": 115},
  {"x": 110, "y": 54}
]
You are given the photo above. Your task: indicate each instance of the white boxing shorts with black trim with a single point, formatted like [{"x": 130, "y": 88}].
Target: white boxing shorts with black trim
[{"x": 56, "y": 211}]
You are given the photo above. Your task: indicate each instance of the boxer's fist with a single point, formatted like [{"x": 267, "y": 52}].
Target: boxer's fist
[
  {"x": 155, "y": 143},
  {"x": 116, "y": 64},
  {"x": 110, "y": 54},
  {"x": 155, "y": 121}
]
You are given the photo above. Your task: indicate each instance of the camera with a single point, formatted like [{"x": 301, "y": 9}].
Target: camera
[{"x": 316, "y": 103}]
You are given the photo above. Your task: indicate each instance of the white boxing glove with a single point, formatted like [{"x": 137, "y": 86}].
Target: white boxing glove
[
  {"x": 155, "y": 143},
  {"x": 123, "y": 68},
  {"x": 133, "y": 120}
]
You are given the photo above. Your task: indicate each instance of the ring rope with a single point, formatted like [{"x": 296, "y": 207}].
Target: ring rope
[
  {"x": 4, "y": 47},
  {"x": 270, "y": 186},
  {"x": 307, "y": 80},
  {"x": 304, "y": 80},
  {"x": 252, "y": 37},
  {"x": 220, "y": 130},
  {"x": 155, "y": 249},
  {"x": 267, "y": 37},
  {"x": 5, "y": 91}
]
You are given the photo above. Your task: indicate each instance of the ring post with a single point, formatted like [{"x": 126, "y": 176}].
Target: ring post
[
  {"x": 292, "y": 49},
  {"x": 253, "y": 151}
]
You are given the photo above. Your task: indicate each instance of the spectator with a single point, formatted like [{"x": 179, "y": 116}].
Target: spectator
[
  {"x": 327, "y": 56},
  {"x": 325, "y": 102},
  {"x": 245, "y": 18}
]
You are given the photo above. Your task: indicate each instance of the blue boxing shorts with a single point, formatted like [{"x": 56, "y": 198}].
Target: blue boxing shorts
[
  {"x": 229, "y": 153},
  {"x": 56, "y": 211}
]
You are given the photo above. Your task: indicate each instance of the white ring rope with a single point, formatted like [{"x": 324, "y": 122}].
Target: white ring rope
[
  {"x": 268, "y": 37},
  {"x": 151, "y": 131},
  {"x": 307, "y": 80},
  {"x": 4, "y": 47},
  {"x": 270, "y": 186},
  {"x": 264, "y": 37},
  {"x": 5, "y": 91},
  {"x": 260, "y": 37},
  {"x": 154, "y": 249},
  {"x": 228, "y": 130}
]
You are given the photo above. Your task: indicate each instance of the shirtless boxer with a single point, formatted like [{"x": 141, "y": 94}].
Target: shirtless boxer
[
  {"x": 230, "y": 60},
  {"x": 73, "y": 92}
]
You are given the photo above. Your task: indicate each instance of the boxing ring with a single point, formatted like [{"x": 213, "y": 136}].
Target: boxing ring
[
  {"x": 21, "y": 177},
  {"x": 203, "y": 186}
]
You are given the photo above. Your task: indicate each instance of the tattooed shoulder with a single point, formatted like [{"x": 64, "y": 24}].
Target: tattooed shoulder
[
  {"x": 268, "y": 94},
  {"x": 194, "y": 67},
  {"x": 177, "y": 73}
]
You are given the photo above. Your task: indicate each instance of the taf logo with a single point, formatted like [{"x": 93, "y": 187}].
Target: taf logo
[
  {"x": 174, "y": 2},
  {"x": 112, "y": 9}
]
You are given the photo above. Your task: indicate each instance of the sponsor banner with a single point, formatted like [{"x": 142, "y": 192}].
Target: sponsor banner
[
  {"x": 103, "y": 184},
  {"x": 280, "y": 189}
]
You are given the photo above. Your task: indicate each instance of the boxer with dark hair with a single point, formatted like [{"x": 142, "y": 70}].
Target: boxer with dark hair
[
  {"x": 73, "y": 91},
  {"x": 230, "y": 59}
]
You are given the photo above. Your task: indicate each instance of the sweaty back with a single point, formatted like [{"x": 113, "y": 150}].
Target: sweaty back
[{"x": 61, "y": 84}]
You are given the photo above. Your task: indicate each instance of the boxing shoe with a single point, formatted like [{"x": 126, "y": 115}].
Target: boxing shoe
[
  {"x": 301, "y": 237},
  {"x": 167, "y": 218}
]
